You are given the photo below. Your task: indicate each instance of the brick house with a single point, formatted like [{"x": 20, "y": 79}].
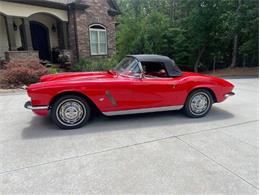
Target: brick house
[{"x": 33, "y": 30}]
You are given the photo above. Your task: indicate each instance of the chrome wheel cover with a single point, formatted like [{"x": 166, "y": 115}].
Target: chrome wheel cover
[
  {"x": 71, "y": 112},
  {"x": 199, "y": 103}
]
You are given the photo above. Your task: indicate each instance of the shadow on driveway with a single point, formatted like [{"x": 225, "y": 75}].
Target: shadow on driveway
[{"x": 42, "y": 127}]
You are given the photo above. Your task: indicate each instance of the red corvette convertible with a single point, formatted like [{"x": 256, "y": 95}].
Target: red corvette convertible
[{"x": 138, "y": 84}]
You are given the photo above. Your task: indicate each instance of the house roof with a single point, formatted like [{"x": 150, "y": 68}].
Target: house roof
[
  {"x": 114, "y": 9},
  {"x": 42, "y": 3}
]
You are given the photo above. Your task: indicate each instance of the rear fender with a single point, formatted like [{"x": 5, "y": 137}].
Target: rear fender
[{"x": 211, "y": 88}]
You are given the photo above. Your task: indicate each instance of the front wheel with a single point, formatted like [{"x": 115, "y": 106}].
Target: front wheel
[
  {"x": 198, "y": 103},
  {"x": 70, "y": 112}
]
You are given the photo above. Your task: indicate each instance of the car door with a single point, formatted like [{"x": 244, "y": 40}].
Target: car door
[
  {"x": 119, "y": 94},
  {"x": 155, "y": 92}
]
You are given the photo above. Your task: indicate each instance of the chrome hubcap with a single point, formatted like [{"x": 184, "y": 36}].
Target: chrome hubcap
[
  {"x": 71, "y": 112},
  {"x": 199, "y": 103}
]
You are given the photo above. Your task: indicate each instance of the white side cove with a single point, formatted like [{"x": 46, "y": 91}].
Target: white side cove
[{"x": 144, "y": 110}]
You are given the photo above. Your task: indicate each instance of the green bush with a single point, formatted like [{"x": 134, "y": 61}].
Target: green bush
[
  {"x": 53, "y": 71},
  {"x": 95, "y": 65}
]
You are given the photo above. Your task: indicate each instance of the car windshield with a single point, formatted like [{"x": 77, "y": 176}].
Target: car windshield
[{"x": 129, "y": 66}]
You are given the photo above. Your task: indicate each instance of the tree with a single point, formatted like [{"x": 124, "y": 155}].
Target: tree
[{"x": 196, "y": 33}]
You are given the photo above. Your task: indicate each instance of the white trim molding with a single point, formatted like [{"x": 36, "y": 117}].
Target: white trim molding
[
  {"x": 101, "y": 42},
  {"x": 23, "y": 10}
]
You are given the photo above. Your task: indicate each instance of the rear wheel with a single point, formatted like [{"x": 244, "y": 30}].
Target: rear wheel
[
  {"x": 70, "y": 112},
  {"x": 198, "y": 103}
]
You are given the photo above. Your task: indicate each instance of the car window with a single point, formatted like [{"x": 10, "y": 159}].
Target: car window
[
  {"x": 154, "y": 69},
  {"x": 129, "y": 67}
]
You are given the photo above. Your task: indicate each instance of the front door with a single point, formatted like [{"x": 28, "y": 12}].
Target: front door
[{"x": 40, "y": 39}]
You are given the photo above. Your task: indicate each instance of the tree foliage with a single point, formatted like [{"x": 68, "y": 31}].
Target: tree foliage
[{"x": 195, "y": 33}]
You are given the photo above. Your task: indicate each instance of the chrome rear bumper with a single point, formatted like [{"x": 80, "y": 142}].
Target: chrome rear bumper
[
  {"x": 28, "y": 105},
  {"x": 229, "y": 94}
]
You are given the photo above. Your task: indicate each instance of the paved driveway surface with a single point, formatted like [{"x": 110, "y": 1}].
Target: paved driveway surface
[{"x": 152, "y": 153}]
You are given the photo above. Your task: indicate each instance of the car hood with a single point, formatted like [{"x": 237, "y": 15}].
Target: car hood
[{"x": 77, "y": 76}]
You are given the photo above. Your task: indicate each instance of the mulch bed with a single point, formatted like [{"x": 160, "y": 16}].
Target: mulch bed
[{"x": 253, "y": 71}]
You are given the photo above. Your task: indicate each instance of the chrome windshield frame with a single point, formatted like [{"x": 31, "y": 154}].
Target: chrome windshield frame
[{"x": 130, "y": 76}]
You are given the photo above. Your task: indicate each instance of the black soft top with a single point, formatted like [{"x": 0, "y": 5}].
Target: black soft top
[{"x": 172, "y": 68}]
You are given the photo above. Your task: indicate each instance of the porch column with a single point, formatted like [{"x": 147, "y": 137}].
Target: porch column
[
  {"x": 63, "y": 34},
  {"x": 9, "y": 20},
  {"x": 27, "y": 34}
]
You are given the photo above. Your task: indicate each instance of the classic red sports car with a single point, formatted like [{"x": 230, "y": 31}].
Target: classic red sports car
[{"x": 138, "y": 84}]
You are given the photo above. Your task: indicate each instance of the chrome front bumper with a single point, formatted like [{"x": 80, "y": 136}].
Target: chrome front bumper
[
  {"x": 229, "y": 94},
  {"x": 28, "y": 105}
]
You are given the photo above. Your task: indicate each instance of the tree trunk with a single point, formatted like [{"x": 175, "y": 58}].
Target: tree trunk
[
  {"x": 235, "y": 46},
  {"x": 173, "y": 10},
  {"x": 252, "y": 61},
  {"x": 234, "y": 55},
  {"x": 214, "y": 64},
  {"x": 244, "y": 61},
  {"x": 201, "y": 51}
]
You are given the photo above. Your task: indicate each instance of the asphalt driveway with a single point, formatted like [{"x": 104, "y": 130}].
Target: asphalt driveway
[{"x": 151, "y": 153}]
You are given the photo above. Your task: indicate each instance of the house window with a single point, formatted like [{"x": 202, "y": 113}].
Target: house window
[{"x": 98, "y": 40}]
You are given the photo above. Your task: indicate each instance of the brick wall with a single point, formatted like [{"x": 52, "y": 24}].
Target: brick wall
[
  {"x": 23, "y": 57},
  {"x": 97, "y": 13},
  {"x": 72, "y": 34}
]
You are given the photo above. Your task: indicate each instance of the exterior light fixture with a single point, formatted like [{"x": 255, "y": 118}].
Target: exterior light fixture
[
  {"x": 14, "y": 26},
  {"x": 53, "y": 28}
]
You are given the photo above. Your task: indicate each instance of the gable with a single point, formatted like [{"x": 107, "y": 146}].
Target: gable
[
  {"x": 114, "y": 9},
  {"x": 113, "y": 5}
]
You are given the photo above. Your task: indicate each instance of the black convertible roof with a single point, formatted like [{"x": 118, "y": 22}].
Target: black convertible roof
[
  {"x": 151, "y": 57},
  {"x": 172, "y": 68}
]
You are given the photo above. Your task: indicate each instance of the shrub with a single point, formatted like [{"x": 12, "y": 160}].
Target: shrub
[
  {"x": 95, "y": 65},
  {"x": 82, "y": 65},
  {"x": 20, "y": 74},
  {"x": 53, "y": 70}
]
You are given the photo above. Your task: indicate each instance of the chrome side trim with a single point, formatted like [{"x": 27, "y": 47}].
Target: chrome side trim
[
  {"x": 229, "y": 94},
  {"x": 29, "y": 106},
  {"x": 144, "y": 110},
  {"x": 38, "y": 107}
]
